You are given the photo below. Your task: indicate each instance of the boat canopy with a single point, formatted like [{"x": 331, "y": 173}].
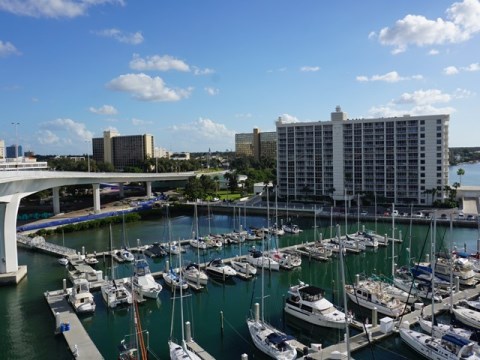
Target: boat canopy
[
  {"x": 455, "y": 339},
  {"x": 276, "y": 338}
]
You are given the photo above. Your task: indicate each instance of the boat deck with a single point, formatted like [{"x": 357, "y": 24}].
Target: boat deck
[{"x": 77, "y": 338}]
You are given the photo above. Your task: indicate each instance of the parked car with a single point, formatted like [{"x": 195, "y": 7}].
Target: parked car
[
  {"x": 419, "y": 214},
  {"x": 364, "y": 213},
  {"x": 461, "y": 216},
  {"x": 443, "y": 216},
  {"x": 470, "y": 217}
]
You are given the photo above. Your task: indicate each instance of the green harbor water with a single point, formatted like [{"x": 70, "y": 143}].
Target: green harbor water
[{"x": 27, "y": 330}]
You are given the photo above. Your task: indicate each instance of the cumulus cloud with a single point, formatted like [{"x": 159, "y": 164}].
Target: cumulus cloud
[
  {"x": 146, "y": 88},
  {"x": 7, "y": 48},
  {"x": 433, "y": 52},
  {"x": 390, "y": 77},
  {"x": 121, "y": 36},
  {"x": 310, "y": 68},
  {"x": 52, "y": 8},
  {"x": 138, "y": 122},
  {"x": 461, "y": 23},
  {"x": 70, "y": 130},
  {"x": 286, "y": 118},
  {"x": 158, "y": 63},
  {"x": 104, "y": 110},
  {"x": 420, "y": 102},
  {"x": 453, "y": 70},
  {"x": 212, "y": 91},
  {"x": 202, "y": 134}
]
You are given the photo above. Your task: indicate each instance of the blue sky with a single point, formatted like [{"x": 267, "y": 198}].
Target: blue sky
[{"x": 193, "y": 73}]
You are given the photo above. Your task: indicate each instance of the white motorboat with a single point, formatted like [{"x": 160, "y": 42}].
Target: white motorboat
[
  {"x": 81, "y": 298},
  {"x": 448, "y": 347},
  {"x": 256, "y": 258},
  {"x": 372, "y": 296},
  {"x": 307, "y": 303},
  {"x": 243, "y": 267},
  {"x": 198, "y": 244},
  {"x": 277, "y": 230},
  {"x": 178, "y": 352},
  {"x": 91, "y": 260},
  {"x": 364, "y": 238},
  {"x": 291, "y": 228},
  {"x": 194, "y": 274},
  {"x": 219, "y": 270},
  {"x": 467, "y": 316},
  {"x": 63, "y": 261},
  {"x": 126, "y": 255},
  {"x": 174, "y": 281},
  {"x": 143, "y": 281},
  {"x": 285, "y": 261},
  {"x": 115, "y": 293}
]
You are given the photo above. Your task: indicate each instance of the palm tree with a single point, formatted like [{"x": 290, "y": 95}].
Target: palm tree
[{"x": 460, "y": 173}]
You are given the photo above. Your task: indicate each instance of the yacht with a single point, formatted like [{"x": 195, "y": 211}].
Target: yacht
[
  {"x": 126, "y": 255},
  {"x": 448, "y": 347},
  {"x": 291, "y": 228},
  {"x": 219, "y": 270},
  {"x": 63, "y": 261},
  {"x": 271, "y": 341},
  {"x": 143, "y": 281},
  {"x": 91, "y": 259},
  {"x": 467, "y": 316},
  {"x": 156, "y": 250},
  {"x": 439, "y": 330},
  {"x": 285, "y": 261},
  {"x": 256, "y": 258},
  {"x": 81, "y": 298},
  {"x": 461, "y": 268},
  {"x": 199, "y": 244},
  {"x": 243, "y": 267},
  {"x": 194, "y": 274},
  {"x": 115, "y": 293},
  {"x": 373, "y": 297},
  {"x": 307, "y": 303}
]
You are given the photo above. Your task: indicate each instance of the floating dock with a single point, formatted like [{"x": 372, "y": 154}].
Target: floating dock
[{"x": 68, "y": 324}]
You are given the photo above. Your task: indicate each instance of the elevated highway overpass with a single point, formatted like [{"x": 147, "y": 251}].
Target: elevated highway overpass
[{"x": 15, "y": 185}]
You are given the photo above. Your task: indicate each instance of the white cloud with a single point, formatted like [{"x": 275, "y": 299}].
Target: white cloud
[
  {"x": 206, "y": 71},
  {"x": 450, "y": 70},
  {"x": 157, "y": 62},
  {"x": 7, "y": 48},
  {"x": 52, "y": 8},
  {"x": 70, "y": 130},
  {"x": 453, "y": 70},
  {"x": 462, "y": 22},
  {"x": 138, "y": 122},
  {"x": 104, "y": 110},
  {"x": 390, "y": 77},
  {"x": 202, "y": 134},
  {"x": 286, "y": 118},
  {"x": 212, "y": 91},
  {"x": 127, "y": 38},
  {"x": 146, "y": 88},
  {"x": 472, "y": 67},
  {"x": 424, "y": 97},
  {"x": 433, "y": 52},
  {"x": 462, "y": 93},
  {"x": 46, "y": 137},
  {"x": 310, "y": 68}
]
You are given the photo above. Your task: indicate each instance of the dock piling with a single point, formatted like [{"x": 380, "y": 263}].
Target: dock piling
[
  {"x": 221, "y": 321},
  {"x": 58, "y": 322},
  {"x": 64, "y": 283},
  {"x": 374, "y": 317},
  {"x": 188, "y": 332},
  {"x": 244, "y": 357}
]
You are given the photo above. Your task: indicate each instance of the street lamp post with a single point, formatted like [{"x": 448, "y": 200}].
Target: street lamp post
[
  {"x": 88, "y": 155},
  {"x": 16, "y": 140}
]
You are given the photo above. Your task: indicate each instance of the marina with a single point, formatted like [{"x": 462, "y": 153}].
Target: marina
[{"x": 106, "y": 328}]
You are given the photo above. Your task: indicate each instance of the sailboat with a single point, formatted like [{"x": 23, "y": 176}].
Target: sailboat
[
  {"x": 180, "y": 351},
  {"x": 114, "y": 292},
  {"x": 192, "y": 272},
  {"x": 143, "y": 281},
  {"x": 267, "y": 338},
  {"x": 125, "y": 254},
  {"x": 63, "y": 260}
]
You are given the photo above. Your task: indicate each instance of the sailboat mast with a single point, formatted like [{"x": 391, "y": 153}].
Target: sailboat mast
[
  {"x": 198, "y": 235},
  {"x": 263, "y": 265},
  {"x": 342, "y": 270},
  {"x": 181, "y": 300},
  {"x": 433, "y": 261}
]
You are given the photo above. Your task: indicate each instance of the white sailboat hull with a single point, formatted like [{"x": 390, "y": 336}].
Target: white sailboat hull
[{"x": 259, "y": 332}]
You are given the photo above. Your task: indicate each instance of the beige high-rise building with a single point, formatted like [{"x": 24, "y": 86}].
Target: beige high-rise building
[
  {"x": 400, "y": 159},
  {"x": 123, "y": 151},
  {"x": 2, "y": 149}
]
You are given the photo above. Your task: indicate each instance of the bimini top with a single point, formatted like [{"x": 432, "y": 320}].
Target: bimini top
[
  {"x": 276, "y": 338},
  {"x": 455, "y": 339}
]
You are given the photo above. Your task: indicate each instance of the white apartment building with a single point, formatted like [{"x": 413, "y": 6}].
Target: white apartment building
[{"x": 397, "y": 159}]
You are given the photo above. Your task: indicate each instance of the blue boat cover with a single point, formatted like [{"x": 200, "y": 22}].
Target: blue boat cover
[
  {"x": 455, "y": 339},
  {"x": 276, "y": 338}
]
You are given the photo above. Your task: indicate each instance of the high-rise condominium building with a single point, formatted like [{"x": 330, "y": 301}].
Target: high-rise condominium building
[
  {"x": 123, "y": 151},
  {"x": 256, "y": 144},
  {"x": 403, "y": 160}
]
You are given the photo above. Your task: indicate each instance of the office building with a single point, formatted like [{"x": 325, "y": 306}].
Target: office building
[
  {"x": 2, "y": 149},
  {"x": 256, "y": 144},
  {"x": 12, "y": 151},
  {"x": 123, "y": 151},
  {"x": 397, "y": 159}
]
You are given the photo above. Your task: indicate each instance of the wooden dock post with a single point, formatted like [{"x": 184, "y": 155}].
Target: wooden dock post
[
  {"x": 188, "y": 332},
  {"x": 221, "y": 321}
]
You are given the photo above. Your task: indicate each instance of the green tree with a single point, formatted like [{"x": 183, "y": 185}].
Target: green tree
[
  {"x": 232, "y": 179},
  {"x": 193, "y": 189}
]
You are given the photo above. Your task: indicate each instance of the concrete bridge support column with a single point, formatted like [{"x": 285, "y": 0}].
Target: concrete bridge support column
[
  {"x": 96, "y": 198},
  {"x": 121, "y": 190},
  {"x": 10, "y": 273},
  {"x": 149, "y": 188},
  {"x": 56, "y": 200}
]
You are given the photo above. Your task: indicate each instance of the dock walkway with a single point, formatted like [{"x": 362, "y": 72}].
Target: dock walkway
[{"x": 77, "y": 338}]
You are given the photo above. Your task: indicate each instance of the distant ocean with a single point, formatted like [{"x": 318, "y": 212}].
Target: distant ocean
[{"x": 471, "y": 177}]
